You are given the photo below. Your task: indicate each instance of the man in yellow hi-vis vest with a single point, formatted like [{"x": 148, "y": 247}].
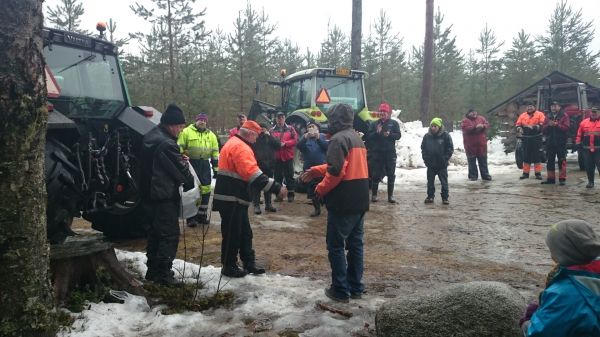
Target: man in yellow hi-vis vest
[{"x": 202, "y": 147}]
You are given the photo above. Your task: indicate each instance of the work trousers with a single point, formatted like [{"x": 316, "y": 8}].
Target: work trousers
[
  {"x": 558, "y": 152},
  {"x": 163, "y": 237},
  {"x": 284, "y": 173},
  {"x": 237, "y": 236},
  {"x": 592, "y": 163},
  {"x": 442, "y": 174},
  {"x": 483, "y": 167}
]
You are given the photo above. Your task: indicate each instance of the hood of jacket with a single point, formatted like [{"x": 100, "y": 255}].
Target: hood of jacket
[{"x": 341, "y": 117}]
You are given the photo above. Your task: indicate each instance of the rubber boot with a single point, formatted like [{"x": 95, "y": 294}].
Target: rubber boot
[
  {"x": 268, "y": 205},
  {"x": 374, "y": 189},
  {"x": 390, "y": 190},
  {"x": 256, "y": 203},
  {"x": 291, "y": 196},
  {"x": 317, "y": 210},
  {"x": 550, "y": 179}
]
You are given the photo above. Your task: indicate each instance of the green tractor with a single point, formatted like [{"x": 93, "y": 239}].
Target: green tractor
[
  {"x": 307, "y": 95},
  {"x": 93, "y": 139}
]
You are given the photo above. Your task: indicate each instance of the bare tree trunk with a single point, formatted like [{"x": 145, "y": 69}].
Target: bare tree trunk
[
  {"x": 171, "y": 52},
  {"x": 26, "y": 304},
  {"x": 427, "y": 63},
  {"x": 356, "y": 35}
]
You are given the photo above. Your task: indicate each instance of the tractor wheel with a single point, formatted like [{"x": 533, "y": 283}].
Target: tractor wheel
[
  {"x": 580, "y": 161},
  {"x": 117, "y": 227},
  {"x": 519, "y": 154},
  {"x": 64, "y": 193}
]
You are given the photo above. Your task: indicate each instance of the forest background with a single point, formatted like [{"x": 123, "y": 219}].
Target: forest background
[{"x": 179, "y": 60}]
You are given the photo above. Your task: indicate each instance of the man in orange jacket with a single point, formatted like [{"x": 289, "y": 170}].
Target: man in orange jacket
[
  {"x": 588, "y": 140},
  {"x": 529, "y": 125},
  {"x": 238, "y": 174},
  {"x": 345, "y": 188}
]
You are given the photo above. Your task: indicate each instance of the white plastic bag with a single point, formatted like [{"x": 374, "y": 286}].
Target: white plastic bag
[{"x": 191, "y": 199}]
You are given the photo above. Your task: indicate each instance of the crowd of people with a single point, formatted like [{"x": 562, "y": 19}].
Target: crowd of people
[{"x": 342, "y": 170}]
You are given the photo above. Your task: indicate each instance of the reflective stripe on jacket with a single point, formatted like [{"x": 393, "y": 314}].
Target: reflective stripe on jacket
[
  {"x": 588, "y": 134},
  {"x": 238, "y": 171},
  {"x": 198, "y": 144}
]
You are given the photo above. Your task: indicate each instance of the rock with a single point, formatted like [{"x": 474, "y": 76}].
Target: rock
[{"x": 474, "y": 309}]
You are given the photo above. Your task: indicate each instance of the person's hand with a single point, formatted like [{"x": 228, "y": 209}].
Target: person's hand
[
  {"x": 282, "y": 144},
  {"x": 519, "y": 129},
  {"x": 386, "y": 134},
  {"x": 528, "y": 126},
  {"x": 379, "y": 129},
  {"x": 307, "y": 176},
  {"x": 531, "y": 308},
  {"x": 282, "y": 192},
  {"x": 479, "y": 126},
  {"x": 267, "y": 133},
  {"x": 553, "y": 123},
  {"x": 185, "y": 157}
]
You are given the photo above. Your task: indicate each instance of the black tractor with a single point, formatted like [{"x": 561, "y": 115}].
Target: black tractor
[{"x": 93, "y": 139}]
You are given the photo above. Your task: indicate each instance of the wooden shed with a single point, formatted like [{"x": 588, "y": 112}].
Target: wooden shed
[{"x": 575, "y": 97}]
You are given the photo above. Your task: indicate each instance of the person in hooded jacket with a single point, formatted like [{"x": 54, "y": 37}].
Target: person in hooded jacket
[
  {"x": 165, "y": 171},
  {"x": 345, "y": 189},
  {"x": 474, "y": 128},
  {"x": 264, "y": 150},
  {"x": 555, "y": 129},
  {"x": 381, "y": 139},
  {"x": 570, "y": 304},
  {"x": 436, "y": 150}
]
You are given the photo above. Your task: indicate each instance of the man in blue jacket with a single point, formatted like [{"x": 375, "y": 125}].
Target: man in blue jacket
[{"x": 570, "y": 304}]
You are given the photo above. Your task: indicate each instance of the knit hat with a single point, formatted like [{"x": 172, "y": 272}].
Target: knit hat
[
  {"x": 252, "y": 126},
  {"x": 469, "y": 111},
  {"x": 385, "y": 107},
  {"x": 573, "y": 242},
  {"x": 202, "y": 117},
  {"x": 172, "y": 116},
  {"x": 436, "y": 121}
]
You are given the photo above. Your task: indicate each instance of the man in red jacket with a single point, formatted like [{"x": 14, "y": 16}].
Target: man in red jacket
[
  {"x": 555, "y": 128},
  {"x": 241, "y": 120},
  {"x": 284, "y": 158},
  {"x": 474, "y": 129},
  {"x": 588, "y": 140}
]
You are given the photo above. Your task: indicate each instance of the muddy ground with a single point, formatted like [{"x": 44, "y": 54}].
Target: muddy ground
[{"x": 490, "y": 231}]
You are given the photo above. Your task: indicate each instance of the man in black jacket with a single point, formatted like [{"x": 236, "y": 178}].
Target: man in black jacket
[
  {"x": 381, "y": 140},
  {"x": 264, "y": 150},
  {"x": 165, "y": 170},
  {"x": 436, "y": 149}
]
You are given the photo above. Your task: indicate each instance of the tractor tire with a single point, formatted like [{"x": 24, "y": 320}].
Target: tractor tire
[
  {"x": 63, "y": 190},
  {"x": 519, "y": 154},
  {"x": 117, "y": 227}
]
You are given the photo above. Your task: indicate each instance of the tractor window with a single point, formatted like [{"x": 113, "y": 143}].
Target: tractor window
[
  {"x": 89, "y": 82},
  {"x": 345, "y": 90},
  {"x": 299, "y": 95}
]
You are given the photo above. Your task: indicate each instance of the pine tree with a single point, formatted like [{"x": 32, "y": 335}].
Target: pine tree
[
  {"x": 567, "y": 44},
  {"x": 112, "y": 27},
  {"x": 335, "y": 49},
  {"x": 67, "y": 16},
  {"x": 521, "y": 64},
  {"x": 180, "y": 26},
  {"x": 448, "y": 74},
  {"x": 489, "y": 66}
]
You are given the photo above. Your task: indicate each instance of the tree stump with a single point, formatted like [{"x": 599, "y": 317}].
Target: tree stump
[{"x": 75, "y": 262}]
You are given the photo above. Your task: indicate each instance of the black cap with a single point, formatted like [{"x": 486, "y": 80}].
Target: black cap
[
  {"x": 280, "y": 113},
  {"x": 595, "y": 109},
  {"x": 172, "y": 116},
  {"x": 241, "y": 115},
  {"x": 555, "y": 103}
]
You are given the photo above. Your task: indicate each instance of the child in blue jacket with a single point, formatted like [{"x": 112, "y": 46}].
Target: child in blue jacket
[{"x": 570, "y": 304}]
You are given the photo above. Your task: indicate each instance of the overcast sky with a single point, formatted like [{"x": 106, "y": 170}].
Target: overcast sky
[{"x": 305, "y": 22}]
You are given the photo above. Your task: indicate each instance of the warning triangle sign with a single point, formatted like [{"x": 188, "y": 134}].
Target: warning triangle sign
[
  {"x": 51, "y": 85},
  {"x": 323, "y": 97}
]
